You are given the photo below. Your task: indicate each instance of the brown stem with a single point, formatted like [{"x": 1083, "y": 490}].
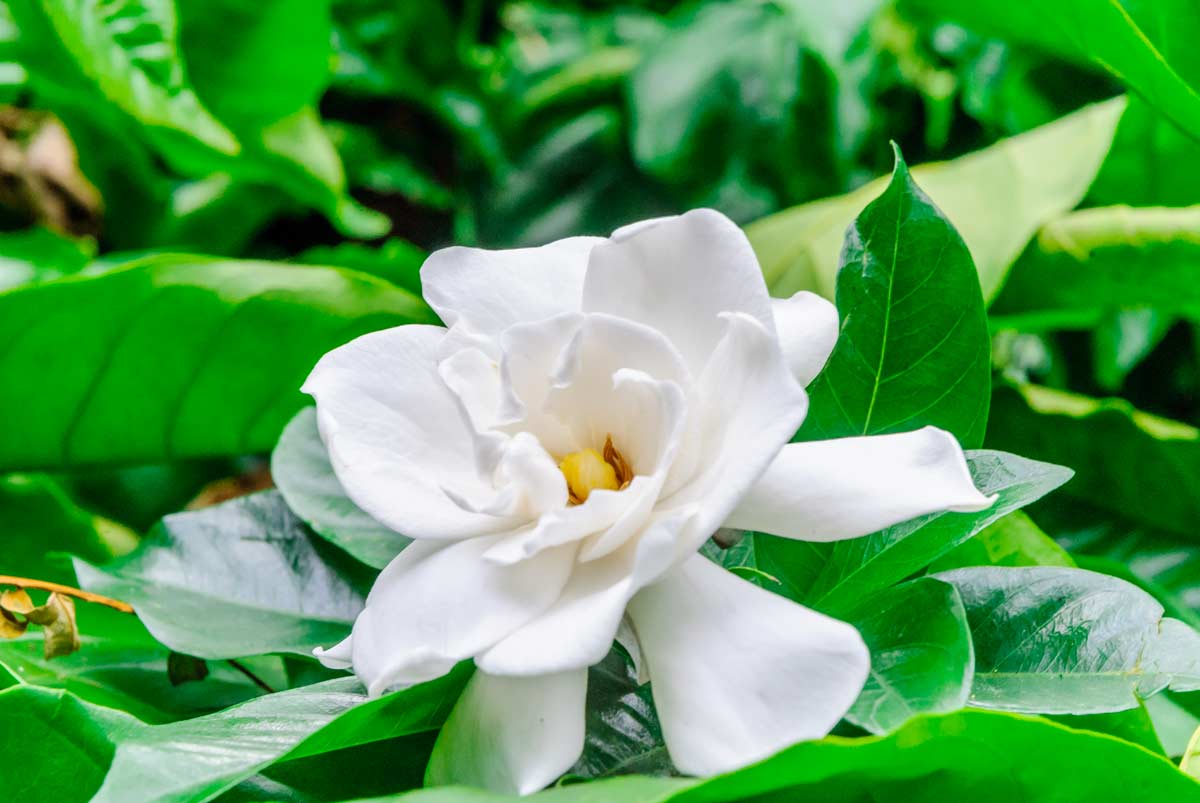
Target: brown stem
[
  {"x": 86, "y": 596},
  {"x": 253, "y": 677}
]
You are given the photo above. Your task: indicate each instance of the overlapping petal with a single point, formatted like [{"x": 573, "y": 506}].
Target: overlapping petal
[
  {"x": 808, "y": 330},
  {"x": 384, "y": 413},
  {"x": 738, "y": 672},
  {"x": 489, "y": 291},
  {"x": 849, "y": 487},
  {"x": 677, "y": 275},
  {"x": 437, "y": 604},
  {"x": 512, "y": 734}
]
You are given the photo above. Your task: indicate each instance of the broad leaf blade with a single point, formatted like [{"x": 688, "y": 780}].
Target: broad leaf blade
[
  {"x": 242, "y": 578},
  {"x": 914, "y": 348}
]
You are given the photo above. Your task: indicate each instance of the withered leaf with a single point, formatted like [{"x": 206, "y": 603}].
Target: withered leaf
[
  {"x": 10, "y": 626},
  {"x": 57, "y": 618},
  {"x": 16, "y": 600}
]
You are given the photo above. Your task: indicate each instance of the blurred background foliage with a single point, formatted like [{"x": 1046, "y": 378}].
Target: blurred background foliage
[{"x": 306, "y": 154}]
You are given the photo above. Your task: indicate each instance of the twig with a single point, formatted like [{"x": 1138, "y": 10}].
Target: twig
[
  {"x": 86, "y": 596},
  {"x": 253, "y": 677}
]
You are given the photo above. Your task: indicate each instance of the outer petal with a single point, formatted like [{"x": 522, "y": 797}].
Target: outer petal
[
  {"x": 578, "y": 629},
  {"x": 435, "y": 605},
  {"x": 746, "y": 406},
  {"x": 491, "y": 290},
  {"x": 739, "y": 673},
  {"x": 394, "y": 438},
  {"x": 845, "y": 488},
  {"x": 808, "y": 329},
  {"x": 512, "y": 735},
  {"x": 676, "y": 275}
]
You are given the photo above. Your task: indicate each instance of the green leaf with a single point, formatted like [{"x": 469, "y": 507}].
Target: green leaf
[
  {"x": 1130, "y": 463},
  {"x": 174, "y": 356},
  {"x": 301, "y": 469},
  {"x": 1093, "y": 32},
  {"x": 242, "y": 578},
  {"x": 1067, "y": 641},
  {"x": 997, "y": 198},
  {"x": 126, "y": 671},
  {"x": 623, "y": 735},
  {"x": 982, "y": 756},
  {"x": 914, "y": 348},
  {"x": 55, "y": 747},
  {"x": 39, "y": 255},
  {"x": 921, "y": 657},
  {"x": 123, "y": 53},
  {"x": 835, "y": 578},
  {"x": 395, "y": 260},
  {"x": 1086, "y": 265},
  {"x": 1014, "y": 540}
]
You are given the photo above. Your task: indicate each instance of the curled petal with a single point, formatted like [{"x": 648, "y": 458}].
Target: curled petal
[
  {"x": 849, "y": 487},
  {"x": 677, "y": 275},
  {"x": 512, "y": 735},
  {"x": 808, "y": 329},
  {"x": 739, "y": 673},
  {"x": 489, "y": 291},
  {"x": 382, "y": 409}
]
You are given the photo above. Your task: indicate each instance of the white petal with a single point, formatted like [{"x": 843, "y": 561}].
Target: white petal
[
  {"x": 489, "y": 291},
  {"x": 745, "y": 407},
  {"x": 511, "y": 735},
  {"x": 394, "y": 435},
  {"x": 579, "y": 628},
  {"x": 739, "y": 673},
  {"x": 808, "y": 329},
  {"x": 845, "y": 488},
  {"x": 677, "y": 274},
  {"x": 435, "y": 605}
]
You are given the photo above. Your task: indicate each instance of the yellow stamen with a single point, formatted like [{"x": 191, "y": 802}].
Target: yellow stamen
[{"x": 585, "y": 472}]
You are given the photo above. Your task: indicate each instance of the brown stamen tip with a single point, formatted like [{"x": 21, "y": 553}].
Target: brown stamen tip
[{"x": 617, "y": 461}]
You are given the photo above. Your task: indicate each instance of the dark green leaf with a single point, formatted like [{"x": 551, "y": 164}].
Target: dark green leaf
[
  {"x": 160, "y": 763},
  {"x": 174, "y": 356},
  {"x": 301, "y": 469},
  {"x": 914, "y": 348},
  {"x": 1153, "y": 481},
  {"x": 242, "y": 578},
  {"x": 921, "y": 658},
  {"x": 1068, "y": 641},
  {"x": 39, "y": 255}
]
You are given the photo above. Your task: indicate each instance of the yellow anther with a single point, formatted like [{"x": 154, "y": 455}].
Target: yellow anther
[{"x": 585, "y": 472}]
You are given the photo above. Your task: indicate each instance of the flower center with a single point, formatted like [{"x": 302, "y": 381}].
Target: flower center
[{"x": 588, "y": 469}]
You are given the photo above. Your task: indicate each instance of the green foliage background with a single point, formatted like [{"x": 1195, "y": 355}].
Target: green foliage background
[{"x": 198, "y": 198}]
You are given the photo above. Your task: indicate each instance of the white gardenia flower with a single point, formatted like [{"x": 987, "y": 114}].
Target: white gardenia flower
[{"x": 594, "y": 412}]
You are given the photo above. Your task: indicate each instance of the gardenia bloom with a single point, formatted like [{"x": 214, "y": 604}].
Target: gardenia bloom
[{"x": 594, "y": 412}]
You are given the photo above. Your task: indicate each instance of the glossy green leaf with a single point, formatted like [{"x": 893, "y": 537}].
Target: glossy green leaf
[
  {"x": 1067, "y": 641},
  {"x": 1089, "y": 264},
  {"x": 128, "y": 672},
  {"x": 1096, "y": 32},
  {"x": 623, "y": 735},
  {"x": 1128, "y": 462},
  {"x": 242, "y": 578},
  {"x": 997, "y": 198},
  {"x": 914, "y": 348},
  {"x": 174, "y": 356},
  {"x": 921, "y": 656},
  {"x": 834, "y": 577},
  {"x": 55, "y": 747},
  {"x": 982, "y": 756},
  {"x": 159, "y": 763},
  {"x": 125, "y": 53},
  {"x": 301, "y": 469},
  {"x": 1014, "y": 540}
]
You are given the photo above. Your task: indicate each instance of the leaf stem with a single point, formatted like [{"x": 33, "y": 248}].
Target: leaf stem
[
  {"x": 86, "y": 596},
  {"x": 239, "y": 666}
]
